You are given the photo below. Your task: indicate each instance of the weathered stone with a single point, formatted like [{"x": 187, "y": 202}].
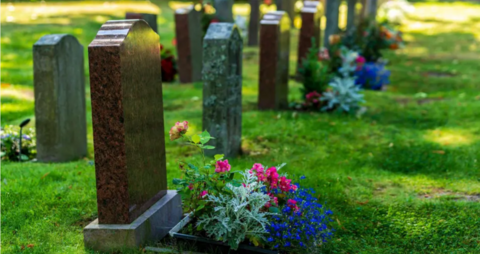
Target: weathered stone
[
  {"x": 351, "y": 14},
  {"x": 331, "y": 14},
  {"x": 222, "y": 88},
  {"x": 287, "y": 6},
  {"x": 311, "y": 13},
  {"x": 127, "y": 114},
  {"x": 371, "y": 9},
  {"x": 188, "y": 30},
  {"x": 151, "y": 19},
  {"x": 274, "y": 60},
  {"x": 59, "y": 84},
  {"x": 151, "y": 226},
  {"x": 254, "y": 22},
  {"x": 223, "y": 10}
]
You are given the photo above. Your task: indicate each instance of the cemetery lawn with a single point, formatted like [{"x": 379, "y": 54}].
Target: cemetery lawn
[{"x": 402, "y": 178}]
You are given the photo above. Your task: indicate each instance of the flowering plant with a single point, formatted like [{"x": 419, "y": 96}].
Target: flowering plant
[
  {"x": 169, "y": 65},
  {"x": 10, "y": 146},
  {"x": 301, "y": 225},
  {"x": 372, "y": 76},
  {"x": 235, "y": 211}
]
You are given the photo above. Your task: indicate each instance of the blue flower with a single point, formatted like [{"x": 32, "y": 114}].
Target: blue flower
[{"x": 303, "y": 177}]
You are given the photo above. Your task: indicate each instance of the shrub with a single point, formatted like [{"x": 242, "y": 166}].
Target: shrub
[
  {"x": 344, "y": 95},
  {"x": 315, "y": 74},
  {"x": 10, "y": 143}
]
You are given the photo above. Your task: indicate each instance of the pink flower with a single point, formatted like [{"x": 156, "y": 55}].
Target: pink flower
[
  {"x": 360, "y": 62},
  {"x": 178, "y": 130},
  {"x": 285, "y": 184},
  {"x": 293, "y": 187},
  {"x": 292, "y": 204},
  {"x": 190, "y": 186},
  {"x": 204, "y": 193},
  {"x": 222, "y": 166},
  {"x": 258, "y": 169},
  {"x": 323, "y": 55},
  {"x": 272, "y": 177}
]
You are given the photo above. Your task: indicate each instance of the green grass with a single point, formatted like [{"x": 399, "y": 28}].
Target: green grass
[{"x": 394, "y": 178}]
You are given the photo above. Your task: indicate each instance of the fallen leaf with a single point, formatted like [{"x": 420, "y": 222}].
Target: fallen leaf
[
  {"x": 30, "y": 246},
  {"x": 332, "y": 123},
  {"x": 22, "y": 248},
  {"x": 363, "y": 203},
  {"x": 391, "y": 145},
  {"x": 44, "y": 175},
  {"x": 439, "y": 152},
  {"x": 70, "y": 187},
  {"x": 349, "y": 178}
]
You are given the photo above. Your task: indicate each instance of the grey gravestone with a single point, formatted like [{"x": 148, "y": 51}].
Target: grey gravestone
[
  {"x": 151, "y": 19},
  {"x": 129, "y": 143},
  {"x": 274, "y": 60},
  {"x": 371, "y": 9},
  {"x": 188, "y": 30},
  {"x": 288, "y": 6},
  {"x": 59, "y": 84},
  {"x": 331, "y": 14},
  {"x": 254, "y": 22},
  {"x": 222, "y": 88},
  {"x": 223, "y": 10},
  {"x": 351, "y": 14}
]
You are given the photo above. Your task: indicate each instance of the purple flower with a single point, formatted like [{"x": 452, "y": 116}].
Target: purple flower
[{"x": 26, "y": 137}]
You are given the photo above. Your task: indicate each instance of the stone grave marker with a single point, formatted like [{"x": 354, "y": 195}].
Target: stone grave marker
[
  {"x": 59, "y": 88},
  {"x": 311, "y": 13},
  {"x": 188, "y": 30},
  {"x": 371, "y": 9},
  {"x": 331, "y": 14},
  {"x": 287, "y": 6},
  {"x": 351, "y": 14},
  {"x": 151, "y": 19},
  {"x": 254, "y": 22},
  {"x": 222, "y": 88},
  {"x": 274, "y": 61},
  {"x": 223, "y": 10},
  {"x": 134, "y": 205}
]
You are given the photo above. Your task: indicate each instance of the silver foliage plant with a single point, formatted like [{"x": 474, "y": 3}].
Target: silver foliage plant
[
  {"x": 344, "y": 94},
  {"x": 239, "y": 215}
]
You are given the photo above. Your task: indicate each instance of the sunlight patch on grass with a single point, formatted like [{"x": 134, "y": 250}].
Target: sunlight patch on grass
[{"x": 450, "y": 137}]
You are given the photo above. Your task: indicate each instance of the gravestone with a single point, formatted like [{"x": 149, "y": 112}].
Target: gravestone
[
  {"x": 222, "y": 88},
  {"x": 287, "y": 6},
  {"x": 331, "y": 14},
  {"x": 223, "y": 10},
  {"x": 151, "y": 19},
  {"x": 351, "y": 14},
  {"x": 371, "y": 9},
  {"x": 311, "y": 13},
  {"x": 128, "y": 133},
  {"x": 254, "y": 22},
  {"x": 59, "y": 84},
  {"x": 188, "y": 30},
  {"x": 274, "y": 60}
]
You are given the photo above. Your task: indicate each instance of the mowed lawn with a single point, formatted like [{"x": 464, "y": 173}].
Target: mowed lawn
[{"x": 402, "y": 178}]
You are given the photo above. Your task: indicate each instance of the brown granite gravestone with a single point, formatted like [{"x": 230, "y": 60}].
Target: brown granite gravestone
[
  {"x": 151, "y": 19},
  {"x": 274, "y": 60},
  {"x": 287, "y": 6},
  {"x": 254, "y": 22},
  {"x": 188, "y": 31},
  {"x": 222, "y": 88},
  {"x": 127, "y": 113},
  {"x": 332, "y": 15},
  {"x": 134, "y": 206},
  {"x": 59, "y": 84},
  {"x": 311, "y": 13}
]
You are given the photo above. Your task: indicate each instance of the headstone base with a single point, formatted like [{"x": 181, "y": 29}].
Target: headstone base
[{"x": 151, "y": 226}]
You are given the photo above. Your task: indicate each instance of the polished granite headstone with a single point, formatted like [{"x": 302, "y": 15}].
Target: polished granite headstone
[
  {"x": 222, "y": 88},
  {"x": 188, "y": 32},
  {"x": 287, "y": 6},
  {"x": 254, "y": 22},
  {"x": 59, "y": 87},
  {"x": 151, "y": 19},
  {"x": 223, "y": 10},
  {"x": 331, "y": 14},
  {"x": 274, "y": 61},
  {"x": 311, "y": 13},
  {"x": 127, "y": 114}
]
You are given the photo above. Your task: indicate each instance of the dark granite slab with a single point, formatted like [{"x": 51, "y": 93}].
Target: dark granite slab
[{"x": 311, "y": 13}]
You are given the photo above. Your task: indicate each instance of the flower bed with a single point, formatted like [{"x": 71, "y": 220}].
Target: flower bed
[{"x": 257, "y": 209}]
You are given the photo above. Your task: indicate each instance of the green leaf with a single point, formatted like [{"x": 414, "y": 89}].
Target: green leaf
[
  {"x": 200, "y": 207},
  {"x": 196, "y": 139},
  {"x": 178, "y": 181},
  {"x": 192, "y": 166},
  {"x": 208, "y": 147},
  {"x": 24, "y": 157},
  {"x": 205, "y": 137},
  {"x": 218, "y": 156},
  {"x": 274, "y": 209}
]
